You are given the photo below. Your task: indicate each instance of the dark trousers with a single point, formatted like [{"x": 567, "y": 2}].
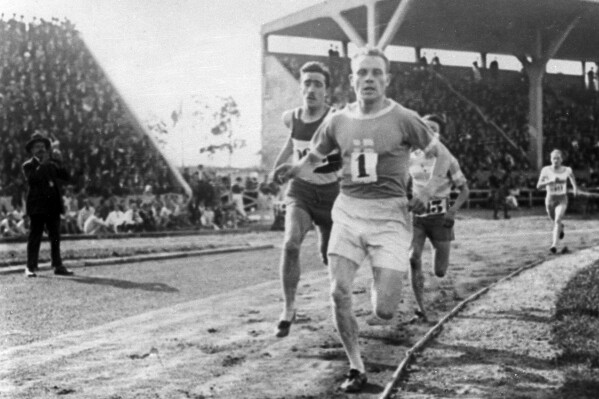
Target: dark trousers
[
  {"x": 36, "y": 230},
  {"x": 499, "y": 202}
]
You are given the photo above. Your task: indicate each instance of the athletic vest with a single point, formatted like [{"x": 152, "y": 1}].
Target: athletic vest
[
  {"x": 420, "y": 171},
  {"x": 560, "y": 185},
  {"x": 301, "y": 135}
]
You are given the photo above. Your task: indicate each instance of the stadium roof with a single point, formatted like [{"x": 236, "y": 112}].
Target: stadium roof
[{"x": 512, "y": 27}]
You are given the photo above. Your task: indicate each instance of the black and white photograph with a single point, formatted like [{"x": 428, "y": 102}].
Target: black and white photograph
[{"x": 299, "y": 199}]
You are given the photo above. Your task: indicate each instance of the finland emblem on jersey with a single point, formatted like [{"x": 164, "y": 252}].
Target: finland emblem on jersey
[{"x": 363, "y": 162}]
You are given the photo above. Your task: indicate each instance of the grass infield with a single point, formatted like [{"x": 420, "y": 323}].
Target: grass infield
[
  {"x": 577, "y": 317},
  {"x": 575, "y": 330}
]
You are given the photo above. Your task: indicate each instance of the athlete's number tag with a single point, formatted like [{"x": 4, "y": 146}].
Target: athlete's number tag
[
  {"x": 435, "y": 207},
  {"x": 363, "y": 167},
  {"x": 557, "y": 188}
]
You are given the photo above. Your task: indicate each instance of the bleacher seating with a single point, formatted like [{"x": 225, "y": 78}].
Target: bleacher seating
[{"x": 49, "y": 81}]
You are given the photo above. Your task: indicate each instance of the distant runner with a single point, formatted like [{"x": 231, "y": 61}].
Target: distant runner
[{"x": 554, "y": 178}]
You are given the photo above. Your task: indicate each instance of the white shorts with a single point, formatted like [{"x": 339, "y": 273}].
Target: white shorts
[{"x": 377, "y": 229}]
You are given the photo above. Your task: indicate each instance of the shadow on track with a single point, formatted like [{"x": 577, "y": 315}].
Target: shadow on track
[{"x": 124, "y": 284}]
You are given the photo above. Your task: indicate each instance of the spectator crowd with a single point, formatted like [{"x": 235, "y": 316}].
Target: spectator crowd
[
  {"x": 218, "y": 202},
  {"x": 49, "y": 82}
]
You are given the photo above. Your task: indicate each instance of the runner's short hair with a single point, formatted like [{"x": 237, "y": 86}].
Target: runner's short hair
[
  {"x": 556, "y": 151},
  {"x": 373, "y": 52},
  {"x": 317, "y": 67}
]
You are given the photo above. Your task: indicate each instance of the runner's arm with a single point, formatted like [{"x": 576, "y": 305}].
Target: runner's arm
[
  {"x": 460, "y": 200},
  {"x": 284, "y": 154},
  {"x": 440, "y": 168},
  {"x": 544, "y": 180},
  {"x": 573, "y": 181},
  {"x": 286, "y": 150},
  {"x": 288, "y": 171},
  {"x": 545, "y": 183}
]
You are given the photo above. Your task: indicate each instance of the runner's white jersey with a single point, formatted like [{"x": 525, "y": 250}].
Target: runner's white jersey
[
  {"x": 420, "y": 172},
  {"x": 560, "y": 185}
]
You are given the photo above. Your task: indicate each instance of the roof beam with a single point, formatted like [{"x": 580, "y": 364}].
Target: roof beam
[
  {"x": 348, "y": 28},
  {"x": 371, "y": 22},
  {"x": 394, "y": 23},
  {"x": 541, "y": 52},
  {"x": 557, "y": 42},
  {"x": 296, "y": 18},
  {"x": 324, "y": 9}
]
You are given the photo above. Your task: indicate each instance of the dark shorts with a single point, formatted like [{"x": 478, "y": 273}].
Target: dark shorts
[
  {"x": 551, "y": 202},
  {"x": 316, "y": 200},
  {"x": 433, "y": 227}
]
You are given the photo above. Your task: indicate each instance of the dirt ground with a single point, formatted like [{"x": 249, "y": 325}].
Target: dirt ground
[
  {"x": 217, "y": 341},
  {"x": 501, "y": 346}
]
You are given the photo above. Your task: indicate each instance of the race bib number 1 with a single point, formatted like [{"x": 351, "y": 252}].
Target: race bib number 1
[{"x": 363, "y": 167}]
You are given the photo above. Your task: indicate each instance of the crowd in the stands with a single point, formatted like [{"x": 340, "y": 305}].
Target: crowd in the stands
[
  {"x": 217, "y": 203},
  {"x": 50, "y": 82}
]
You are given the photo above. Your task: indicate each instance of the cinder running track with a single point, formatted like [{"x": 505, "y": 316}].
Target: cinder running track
[{"x": 202, "y": 327}]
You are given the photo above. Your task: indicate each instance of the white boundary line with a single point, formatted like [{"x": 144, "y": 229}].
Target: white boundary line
[{"x": 140, "y": 258}]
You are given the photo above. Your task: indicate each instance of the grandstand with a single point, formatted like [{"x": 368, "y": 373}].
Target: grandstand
[
  {"x": 475, "y": 136},
  {"x": 507, "y": 119},
  {"x": 50, "y": 82}
]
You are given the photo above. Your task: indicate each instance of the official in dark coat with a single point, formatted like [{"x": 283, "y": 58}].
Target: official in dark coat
[{"x": 43, "y": 173}]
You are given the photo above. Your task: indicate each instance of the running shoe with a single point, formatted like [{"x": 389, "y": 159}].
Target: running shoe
[
  {"x": 565, "y": 250},
  {"x": 553, "y": 250},
  {"x": 421, "y": 315},
  {"x": 355, "y": 381},
  {"x": 30, "y": 273},
  {"x": 283, "y": 327}
]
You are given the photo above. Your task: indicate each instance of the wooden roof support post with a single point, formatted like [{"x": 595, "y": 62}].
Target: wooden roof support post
[
  {"x": 371, "y": 22},
  {"x": 534, "y": 67}
]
